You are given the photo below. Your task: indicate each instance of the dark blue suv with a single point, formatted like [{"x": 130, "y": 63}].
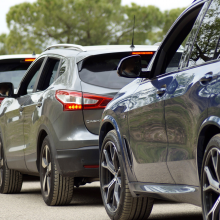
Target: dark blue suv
[{"x": 160, "y": 135}]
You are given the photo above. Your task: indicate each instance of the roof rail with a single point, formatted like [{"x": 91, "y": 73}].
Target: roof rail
[{"x": 69, "y": 46}]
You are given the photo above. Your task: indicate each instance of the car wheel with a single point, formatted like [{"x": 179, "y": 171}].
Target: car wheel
[
  {"x": 210, "y": 180},
  {"x": 116, "y": 196},
  {"x": 10, "y": 180},
  {"x": 55, "y": 189}
]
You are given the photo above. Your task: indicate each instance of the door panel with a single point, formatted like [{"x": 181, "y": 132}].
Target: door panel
[
  {"x": 31, "y": 116},
  {"x": 186, "y": 103},
  {"x": 32, "y": 112},
  {"x": 14, "y": 140},
  {"x": 148, "y": 138}
]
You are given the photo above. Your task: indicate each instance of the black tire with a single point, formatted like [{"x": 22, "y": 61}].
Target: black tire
[
  {"x": 210, "y": 180},
  {"x": 10, "y": 180},
  {"x": 55, "y": 189},
  {"x": 116, "y": 196}
]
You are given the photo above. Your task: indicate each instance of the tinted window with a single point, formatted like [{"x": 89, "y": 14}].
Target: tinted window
[
  {"x": 13, "y": 70},
  {"x": 204, "y": 48},
  {"x": 49, "y": 73},
  {"x": 54, "y": 71},
  {"x": 100, "y": 70},
  {"x": 63, "y": 67},
  {"x": 174, "y": 63},
  {"x": 27, "y": 84},
  {"x": 33, "y": 75}
]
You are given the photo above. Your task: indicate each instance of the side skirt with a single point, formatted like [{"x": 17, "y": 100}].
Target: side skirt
[{"x": 176, "y": 193}]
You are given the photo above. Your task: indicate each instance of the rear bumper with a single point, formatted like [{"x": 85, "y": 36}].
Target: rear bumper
[{"x": 71, "y": 162}]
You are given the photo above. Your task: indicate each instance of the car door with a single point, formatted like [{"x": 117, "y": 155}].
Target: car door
[
  {"x": 32, "y": 110},
  {"x": 148, "y": 139},
  {"x": 149, "y": 132},
  {"x": 14, "y": 117},
  {"x": 187, "y": 98}
]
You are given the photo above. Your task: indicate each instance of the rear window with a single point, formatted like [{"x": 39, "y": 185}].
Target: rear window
[
  {"x": 101, "y": 70},
  {"x": 13, "y": 70}
]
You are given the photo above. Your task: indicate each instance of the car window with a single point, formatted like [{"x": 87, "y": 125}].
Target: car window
[
  {"x": 174, "y": 63},
  {"x": 63, "y": 67},
  {"x": 49, "y": 73},
  {"x": 30, "y": 86},
  {"x": 101, "y": 70},
  {"x": 12, "y": 70},
  {"x": 170, "y": 53},
  {"x": 204, "y": 48},
  {"x": 54, "y": 72},
  {"x": 31, "y": 77}
]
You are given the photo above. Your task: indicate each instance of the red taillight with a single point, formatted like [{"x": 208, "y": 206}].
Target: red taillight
[
  {"x": 73, "y": 101},
  {"x": 143, "y": 53},
  {"x": 91, "y": 101}
]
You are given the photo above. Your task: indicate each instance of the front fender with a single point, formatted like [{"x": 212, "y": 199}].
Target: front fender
[{"x": 109, "y": 119}]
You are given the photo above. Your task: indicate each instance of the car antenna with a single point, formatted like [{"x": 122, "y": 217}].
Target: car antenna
[
  {"x": 132, "y": 42},
  {"x": 33, "y": 53}
]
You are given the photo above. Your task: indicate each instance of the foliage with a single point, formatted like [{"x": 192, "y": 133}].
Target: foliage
[
  {"x": 146, "y": 20},
  {"x": 33, "y": 26},
  {"x": 207, "y": 43},
  {"x": 3, "y": 49}
]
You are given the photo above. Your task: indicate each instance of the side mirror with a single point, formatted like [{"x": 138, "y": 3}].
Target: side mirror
[
  {"x": 6, "y": 89},
  {"x": 130, "y": 67}
]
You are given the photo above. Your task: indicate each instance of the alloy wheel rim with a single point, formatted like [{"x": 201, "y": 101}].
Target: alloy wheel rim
[
  {"x": 46, "y": 174},
  {"x": 211, "y": 185},
  {"x": 1, "y": 164},
  {"x": 111, "y": 176}
]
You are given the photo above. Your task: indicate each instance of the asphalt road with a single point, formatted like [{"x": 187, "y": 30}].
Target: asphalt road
[{"x": 86, "y": 205}]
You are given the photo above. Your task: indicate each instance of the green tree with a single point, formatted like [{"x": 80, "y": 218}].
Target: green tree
[
  {"x": 34, "y": 26},
  {"x": 147, "y": 19},
  {"x": 61, "y": 21},
  {"x": 3, "y": 49},
  {"x": 169, "y": 17}
]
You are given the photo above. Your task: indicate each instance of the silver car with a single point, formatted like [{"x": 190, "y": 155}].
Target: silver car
[{"x": 50, "y": 127}]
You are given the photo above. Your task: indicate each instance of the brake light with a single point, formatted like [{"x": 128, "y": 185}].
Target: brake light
[
  {"x": 73, "y": 101},
  {"x": 29, "y": 59},
  {"x": 143, "y": 53}
]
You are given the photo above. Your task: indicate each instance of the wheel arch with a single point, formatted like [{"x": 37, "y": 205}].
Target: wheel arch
[
  {"x": 41, "y": 135},
  {"x": 108, "y": 124},
  {"x": 105, "y": 128},
  {"x": 209, "y": 128}
]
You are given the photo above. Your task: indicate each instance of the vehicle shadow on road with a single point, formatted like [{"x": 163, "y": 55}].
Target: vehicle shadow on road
[
  {"x": 82, "y": 196},
  {"x": 87, "y": 196},
  {"x": 91, "y": 197}
]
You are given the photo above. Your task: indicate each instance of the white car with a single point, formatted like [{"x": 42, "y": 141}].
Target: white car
[{"x": 13, "y": 68}]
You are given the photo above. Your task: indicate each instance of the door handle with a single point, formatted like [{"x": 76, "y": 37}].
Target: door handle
[
  {"x": 21, "y": 108},
  {"x": 39, "y": 104},
  {"x": 161, "y": 91},
  {"x": 207, "y": 78}
]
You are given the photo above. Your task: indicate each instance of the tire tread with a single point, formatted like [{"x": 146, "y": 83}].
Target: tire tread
[
  {"x": 12, "y": 181},
  {"x": 62, "y": 190},
  {"x": 132, "y": 208}
]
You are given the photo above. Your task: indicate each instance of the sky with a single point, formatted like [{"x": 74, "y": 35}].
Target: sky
[{"x": 162, "y": 4}]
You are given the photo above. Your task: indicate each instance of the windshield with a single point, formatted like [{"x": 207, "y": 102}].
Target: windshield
[
  {"x": 13, "y": 70},
  {"x": 101, "y": 70}
]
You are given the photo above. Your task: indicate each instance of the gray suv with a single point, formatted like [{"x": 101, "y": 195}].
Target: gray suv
[{"x": 50, "y": 127}]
